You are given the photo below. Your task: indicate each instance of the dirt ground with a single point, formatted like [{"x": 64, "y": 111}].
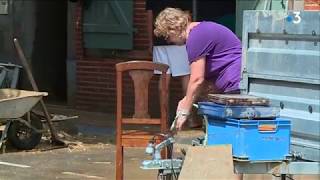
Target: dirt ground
[{"x": 91, "y": 155}]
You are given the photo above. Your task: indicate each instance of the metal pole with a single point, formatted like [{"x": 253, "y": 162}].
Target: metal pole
[{"x": 194, "y": 10}]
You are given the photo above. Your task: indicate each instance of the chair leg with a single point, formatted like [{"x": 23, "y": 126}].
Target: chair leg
[{"x": 119, "y": 163}]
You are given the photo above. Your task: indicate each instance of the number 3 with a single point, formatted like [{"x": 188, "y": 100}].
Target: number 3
[{"x": 297, "y": 18}]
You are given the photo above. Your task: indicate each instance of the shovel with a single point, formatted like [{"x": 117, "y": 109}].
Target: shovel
[{"x": 54, "y": 138}]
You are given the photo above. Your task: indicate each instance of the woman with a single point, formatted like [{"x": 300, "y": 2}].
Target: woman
[
  {"x": 167, "y": 53},
  {"x": 214, "y": 54}
]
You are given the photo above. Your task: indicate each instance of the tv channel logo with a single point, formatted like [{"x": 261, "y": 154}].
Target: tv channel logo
[{"x": 295, "y": 18}]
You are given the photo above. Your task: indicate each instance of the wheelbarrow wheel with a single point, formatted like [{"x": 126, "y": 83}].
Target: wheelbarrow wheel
[{"x": 23, "y": 137}]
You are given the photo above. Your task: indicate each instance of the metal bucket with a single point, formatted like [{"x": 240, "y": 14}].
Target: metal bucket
[{"x": 15, "y": 103}]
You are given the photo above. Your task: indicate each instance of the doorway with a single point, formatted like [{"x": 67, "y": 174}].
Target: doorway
[
  {"x": 50, "y": 49},
  {"x": 222, "y": 12}
]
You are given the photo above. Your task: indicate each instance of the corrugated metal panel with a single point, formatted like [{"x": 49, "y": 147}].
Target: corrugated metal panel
[{"x": 281, "y": 61}]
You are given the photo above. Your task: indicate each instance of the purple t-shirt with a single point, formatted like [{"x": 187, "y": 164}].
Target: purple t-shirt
[{"x": 222, "y": 50}]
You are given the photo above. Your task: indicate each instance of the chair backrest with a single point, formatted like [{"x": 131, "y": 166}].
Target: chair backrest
[{"x": 141, "y": 73}]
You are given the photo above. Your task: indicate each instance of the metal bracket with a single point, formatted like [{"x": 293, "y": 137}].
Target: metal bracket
[
  {"x": 198, "y": 142},
  {"x": 258, "y": 32},
  {"x": 315, "y": 43},
  {"x": 162, "y": 164},
  {"x": 285, "y": 33}
]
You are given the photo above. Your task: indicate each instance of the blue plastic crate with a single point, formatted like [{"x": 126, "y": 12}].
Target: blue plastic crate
[{"x": 252, "y": 140}]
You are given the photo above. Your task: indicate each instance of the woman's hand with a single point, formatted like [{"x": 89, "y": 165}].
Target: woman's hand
[{"x": 182, "y": 113}]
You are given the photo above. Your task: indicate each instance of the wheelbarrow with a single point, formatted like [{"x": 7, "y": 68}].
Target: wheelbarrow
[
  {"x": 9, "y": 74},
  {"x": 21, "y": 130}
]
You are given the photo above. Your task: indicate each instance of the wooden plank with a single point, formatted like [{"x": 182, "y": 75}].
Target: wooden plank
[
  {"x": 141, "y": 121},
  {"x": 135, "y": 132},
  {"x": 238, "y": 99},
  {"x": 143, "y": 142},
  {"x": 136, "y": 138},
  {"x": 208, "y": 162}
]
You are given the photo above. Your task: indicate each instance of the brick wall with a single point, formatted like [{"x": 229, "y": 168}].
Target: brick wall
[
  {"x": 141, "y": 40},
  {"x": 96, "y": 86}
]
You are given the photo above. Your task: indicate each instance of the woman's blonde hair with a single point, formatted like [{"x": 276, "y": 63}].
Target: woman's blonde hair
[{"x": 171, "y": 21}]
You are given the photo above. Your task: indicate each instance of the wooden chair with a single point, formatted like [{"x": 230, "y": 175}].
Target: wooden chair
[{"x": 141, "y": 73}]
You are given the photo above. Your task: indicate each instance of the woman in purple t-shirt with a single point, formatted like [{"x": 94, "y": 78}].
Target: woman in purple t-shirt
[{"x": 214, "y": 54}]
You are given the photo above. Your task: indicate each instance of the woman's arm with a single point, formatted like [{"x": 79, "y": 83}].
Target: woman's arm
[{"x": 197, "y": 69}]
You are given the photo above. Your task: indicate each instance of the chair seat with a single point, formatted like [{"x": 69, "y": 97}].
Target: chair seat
[{"x": 139, "y": 138}]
